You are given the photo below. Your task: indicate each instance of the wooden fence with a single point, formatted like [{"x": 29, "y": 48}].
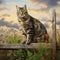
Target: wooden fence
[
  {"x": 31, "y": 46},
  {"x": 35, "y": 45}
]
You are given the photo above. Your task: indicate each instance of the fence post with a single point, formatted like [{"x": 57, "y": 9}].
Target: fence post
[{"x": 54, "y": 33}]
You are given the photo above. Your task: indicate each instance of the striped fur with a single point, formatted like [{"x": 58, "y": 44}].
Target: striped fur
[{"x": 31, "y": 27}]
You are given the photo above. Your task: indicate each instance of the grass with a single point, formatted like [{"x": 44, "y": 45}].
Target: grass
[{"x": 42, "y": 54}]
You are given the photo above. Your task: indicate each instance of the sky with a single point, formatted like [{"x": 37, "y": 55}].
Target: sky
[{"x": 39, "y": 9}]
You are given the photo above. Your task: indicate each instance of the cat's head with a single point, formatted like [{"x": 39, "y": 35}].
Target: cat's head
[{"x": 22, "y": 13}]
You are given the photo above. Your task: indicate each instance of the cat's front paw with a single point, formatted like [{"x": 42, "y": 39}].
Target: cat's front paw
[
  {"x": 24, "y": 42},
  {"x": 28, "y": 43}
]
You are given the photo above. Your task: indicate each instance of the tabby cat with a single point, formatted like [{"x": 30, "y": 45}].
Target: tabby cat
[{"x": 32, "y": 28}]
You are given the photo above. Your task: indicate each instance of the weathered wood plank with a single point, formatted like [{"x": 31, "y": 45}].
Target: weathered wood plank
[
  {"x": 54, "y": 32},
  {"x": 23, "y": 46}
]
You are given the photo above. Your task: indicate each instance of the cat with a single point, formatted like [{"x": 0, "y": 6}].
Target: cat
[{"x": 31, "y": 27}]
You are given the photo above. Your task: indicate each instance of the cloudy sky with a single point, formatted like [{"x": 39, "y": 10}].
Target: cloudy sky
[{"x": 37, "y": 8}]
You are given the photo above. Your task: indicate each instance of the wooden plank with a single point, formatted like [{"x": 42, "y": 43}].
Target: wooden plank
[
  {"x": 23, "y": 46},
  {"x": 54, "y": 33}
]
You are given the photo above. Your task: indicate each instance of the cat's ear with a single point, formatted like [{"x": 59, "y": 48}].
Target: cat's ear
[
  {"x": 17, "y": 7},
  {"x": 25, "y": 8}
]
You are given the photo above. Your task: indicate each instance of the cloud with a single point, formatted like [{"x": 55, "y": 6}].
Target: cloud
[
  {"x": 58, "y": 22},
  {"x": 37, "y": 13},
  {"x": 45, "y": 20},
  {"x": 2, "y": 1},
  {"x": 8, "y": 24},
  {"x": 44, "y": 3},
  {"x": 58, "y": 2},
  {"x": 3, "y": 8},
  {"x": 6, "y": 15}
]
